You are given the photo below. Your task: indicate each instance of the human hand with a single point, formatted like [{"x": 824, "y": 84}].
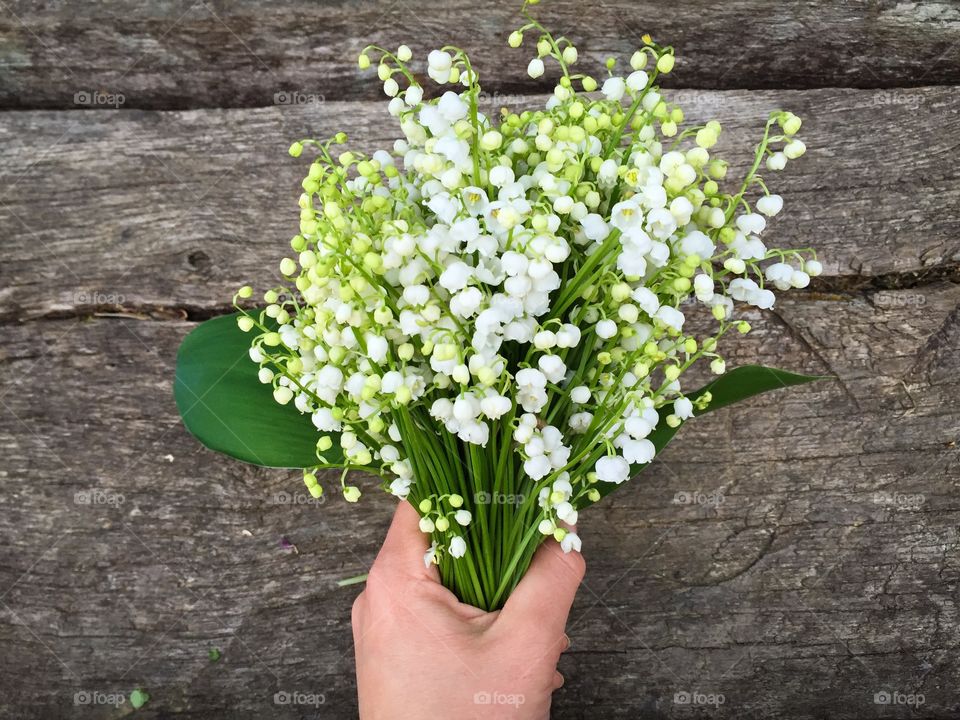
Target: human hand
[{"x": 421, "y": 653}]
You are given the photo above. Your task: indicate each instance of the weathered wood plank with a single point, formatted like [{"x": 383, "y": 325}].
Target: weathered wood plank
[
  {"x": 828, "y": 573},
  {"x": 209, "y": 196},
  {"x": 239, "y": 53}
]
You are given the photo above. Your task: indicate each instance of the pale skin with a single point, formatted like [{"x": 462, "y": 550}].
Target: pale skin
[{"x": 421, "y": 653}]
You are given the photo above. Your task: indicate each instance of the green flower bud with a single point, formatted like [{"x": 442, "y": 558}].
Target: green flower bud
[
  {"x": 425, "y": 506},
  {"x": 665, "y": 63},
  {"x": 455, "y": 501},
  {"x": 790, "y": 124},
  {"x": 620, "y": 292},
  {"x": 295, "y": 149},
  {"x": 706, "y": 138},
  {"x": 491, "y": 140},
  {"x": 717, "y": 169}
]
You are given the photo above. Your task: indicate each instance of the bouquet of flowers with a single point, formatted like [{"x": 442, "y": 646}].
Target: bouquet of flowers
[{"x": 490, "y": 316}]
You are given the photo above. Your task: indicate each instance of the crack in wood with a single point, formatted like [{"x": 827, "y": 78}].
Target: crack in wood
[{"x": 840, "y": 287}]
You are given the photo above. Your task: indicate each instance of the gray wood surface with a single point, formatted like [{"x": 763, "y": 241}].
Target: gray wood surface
[
  {"x": 819, "y": 563},
  {"x": 230, "y": 53},
  {"x": 147, "y": 211},
  {"x": 827, "y": 573}
]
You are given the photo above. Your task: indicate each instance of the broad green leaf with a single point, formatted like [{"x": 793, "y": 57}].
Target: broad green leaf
[
  {"x": 731, "y": 387},
  {"x": 226, "y": 407}
]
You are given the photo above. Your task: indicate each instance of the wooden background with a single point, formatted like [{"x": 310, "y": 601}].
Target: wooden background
[{"x": 827, "y": 575}]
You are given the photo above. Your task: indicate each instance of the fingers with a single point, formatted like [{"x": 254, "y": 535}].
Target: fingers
[
  {"x": 404, "y": 547},
  {"x": 557, "y": 681},
  {"x": 546, "y": 593}
]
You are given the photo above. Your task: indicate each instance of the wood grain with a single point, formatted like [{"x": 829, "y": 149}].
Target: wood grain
[
  {"x": 816, "y": 566},
  {"x": 796, "y": 555},
  {"x": 240, "y": 53},
  {"x": 140, "y": 211}
]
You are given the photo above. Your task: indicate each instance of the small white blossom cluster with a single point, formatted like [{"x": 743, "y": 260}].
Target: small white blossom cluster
[{"x": 500, "y": 303}]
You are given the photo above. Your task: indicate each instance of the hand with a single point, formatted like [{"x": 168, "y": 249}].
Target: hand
[{"x": 422, "y": 654}]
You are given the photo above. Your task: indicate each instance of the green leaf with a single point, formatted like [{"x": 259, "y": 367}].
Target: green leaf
[
  {"x": 738, "y": 384},
  {"x": 138, "y": 698},
  {"x": 226, "y": 407}
]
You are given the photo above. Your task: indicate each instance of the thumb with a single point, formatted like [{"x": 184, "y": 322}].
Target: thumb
[
  {"x": 545, "y": 594},
  {"x": 403, "y": 549}
]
